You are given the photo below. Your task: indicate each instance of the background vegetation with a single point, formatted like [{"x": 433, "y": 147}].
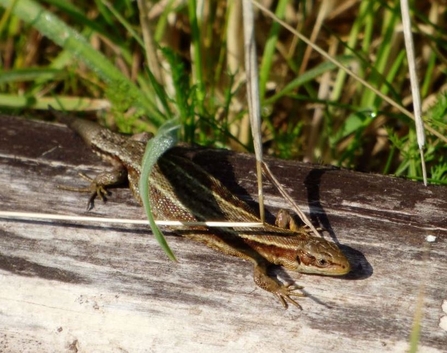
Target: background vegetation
[{"x": 136, "y": 63}]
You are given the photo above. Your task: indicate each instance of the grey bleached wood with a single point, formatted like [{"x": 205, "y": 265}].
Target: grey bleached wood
[{"x": 71, "y": 287}]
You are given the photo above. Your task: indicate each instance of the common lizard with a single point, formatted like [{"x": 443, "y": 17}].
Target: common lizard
[{"x": 182, "y": 190}]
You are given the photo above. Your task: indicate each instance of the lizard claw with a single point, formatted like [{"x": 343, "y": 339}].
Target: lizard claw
[
  {"x": 95, "y": 189},
  {"x": 284, "y": 294}
]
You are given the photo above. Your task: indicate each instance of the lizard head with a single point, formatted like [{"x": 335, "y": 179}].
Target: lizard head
[{"x": 318, "y": 256}]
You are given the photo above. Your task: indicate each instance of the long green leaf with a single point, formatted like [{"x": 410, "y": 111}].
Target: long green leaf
[
  {"x": 164, "y": 140},
  {"x": 308, "y": 76},
  {"x": 28, "y": 74}
]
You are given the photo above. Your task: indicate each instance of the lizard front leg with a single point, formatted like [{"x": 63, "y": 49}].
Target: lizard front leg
[
  {"x": 283, "y": 292},
  {"x": 98, "y": 186},
  {"x": 285, "y": 220}
]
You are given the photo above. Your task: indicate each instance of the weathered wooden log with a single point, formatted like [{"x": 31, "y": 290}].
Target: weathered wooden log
[{"x": 76, "y": 287}]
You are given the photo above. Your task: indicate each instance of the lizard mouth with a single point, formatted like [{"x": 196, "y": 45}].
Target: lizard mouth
[
  {"x": 341, "y": 269},
  {"x": 336, "y": 269}
]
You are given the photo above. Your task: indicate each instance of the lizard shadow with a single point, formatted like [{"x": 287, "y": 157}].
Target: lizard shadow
[{"x": 218, "y": 164}]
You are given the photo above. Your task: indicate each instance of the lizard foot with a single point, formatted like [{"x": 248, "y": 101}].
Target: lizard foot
[
  {"x": 286, "y": 221},
  {"x": 285, "y": 293},
  {"x": 96, "y": 188}
]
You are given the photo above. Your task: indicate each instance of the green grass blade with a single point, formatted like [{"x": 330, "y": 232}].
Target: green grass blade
[
  {"x": 307, "y": 77},
  {"x": 124, "y": 23},
  {"x": 270, "y": 46},
  {"x": 164, "y": 140},
  {"x": 197, "y": 56},
  {"x": 29, "y": 74}
]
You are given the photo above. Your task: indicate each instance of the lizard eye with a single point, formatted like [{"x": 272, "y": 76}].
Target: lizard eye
[{"x": 322, "y": 263}]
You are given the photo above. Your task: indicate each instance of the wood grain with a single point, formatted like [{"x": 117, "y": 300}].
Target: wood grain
[{"x": 72, "y": 287}]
